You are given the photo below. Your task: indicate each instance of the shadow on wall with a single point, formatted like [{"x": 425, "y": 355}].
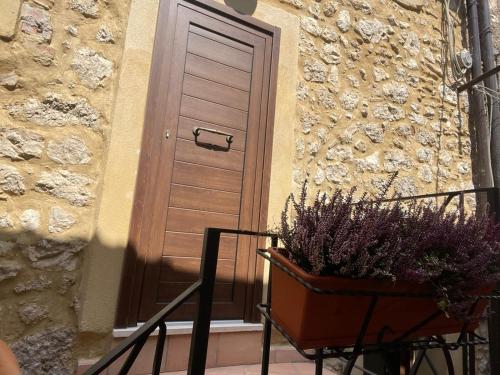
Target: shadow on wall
[
  {"x": 177, "y": 271},
  {"x": 242, "y": 6},
  {"x": 42, "y": 281},
  {"x": 40, "y": 290}
]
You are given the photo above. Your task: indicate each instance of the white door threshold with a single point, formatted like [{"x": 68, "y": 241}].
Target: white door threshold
[{"x": 185, "y": 328}]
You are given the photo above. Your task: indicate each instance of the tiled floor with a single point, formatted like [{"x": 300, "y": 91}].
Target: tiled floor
[{"x": 274, "y": 369}]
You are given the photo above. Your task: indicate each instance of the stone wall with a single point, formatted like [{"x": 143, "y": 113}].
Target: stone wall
[
  {"x": 374, "y": 99},
  {"x": 59, "y": 60}
]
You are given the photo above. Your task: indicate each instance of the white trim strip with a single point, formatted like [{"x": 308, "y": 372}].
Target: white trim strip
[{"x": 185, "y": 328}]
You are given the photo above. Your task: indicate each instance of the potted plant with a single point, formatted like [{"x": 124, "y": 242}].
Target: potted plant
[{"x": 338, "y": 244}]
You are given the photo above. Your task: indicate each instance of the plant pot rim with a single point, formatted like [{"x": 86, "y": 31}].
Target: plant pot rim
[
  {"x": 364, "y": 284},
  {"x": 349, "y": 283}
]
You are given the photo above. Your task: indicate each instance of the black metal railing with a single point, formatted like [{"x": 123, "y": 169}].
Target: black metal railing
[
  {"x": 203, "y": 288},
  {"x": 383, "y": 346}
]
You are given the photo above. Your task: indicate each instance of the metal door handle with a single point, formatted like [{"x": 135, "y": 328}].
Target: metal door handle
[{"x": 197, "y": 131}]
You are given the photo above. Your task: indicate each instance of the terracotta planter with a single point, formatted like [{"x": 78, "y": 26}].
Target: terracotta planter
[{"x": 318, "y": 320}]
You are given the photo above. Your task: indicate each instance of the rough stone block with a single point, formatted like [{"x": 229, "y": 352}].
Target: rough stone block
[
  {"x": 92, "y": 68},
  {"x": 45, "y": 4},
  {"x": 395, "y": 160},
  {"x": 344, "y": 21},
  {"x": 43, "y": 54},
  {"x": 33, "y": 313},
  {"x": 8, "y": 18},
  {"x": 9, "y": 80},
  {"x": 9, "y": 269},
  {"x": 369, "y": 164},
  {"x": 55, "y": 110},
  {"x": 70, "y": 150},
  {"x": 349, "y": 100},
  {"x": 20, "y": 144},
  {"x": 46, "y": 352},
  {"x": 55, "y": 255},
  {"x": 30, "y": 219},
  {"x": 36, "y": 284},
  {"x": 415, "y": 5},
  {"x": 315, "y": 71},
  {"x": 405, "y": 186},
  {"x": 296, "y": 3},
  {"x": 11, "y": 181},
  {"x": 5, "y": 221},
  {"x": 88, "y": 8},
  {"x": 65, "y": 185},
  {"x": 6, "y": 247},
  {"x": 105, "y": 35},
  {"x": 36, "y": 22},
  {"x": 60, "y": 220},
  {"x": 338, "y": 173}
]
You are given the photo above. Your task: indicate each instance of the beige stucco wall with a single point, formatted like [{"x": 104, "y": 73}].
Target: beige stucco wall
[{"x": 105, "y": 254}]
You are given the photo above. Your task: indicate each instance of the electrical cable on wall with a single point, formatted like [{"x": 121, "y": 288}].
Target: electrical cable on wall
[
  {"x": 461, "y": 62},
  {"x": 495, "y": 95},
  {"x": 490, "y": 97}
]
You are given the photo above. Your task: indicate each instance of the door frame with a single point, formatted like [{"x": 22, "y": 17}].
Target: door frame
[{"x": 137, "y": 246}]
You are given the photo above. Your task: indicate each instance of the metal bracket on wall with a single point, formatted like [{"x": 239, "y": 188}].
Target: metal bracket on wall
[{"x": 480, "y": 78}]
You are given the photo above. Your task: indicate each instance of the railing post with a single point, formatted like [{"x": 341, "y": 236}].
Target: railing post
[
  {"x": 201, "y": 325},
  {"x": 266, "y": 344},
  {"x": 160, "y": 344},
  {"x": 318, "y": 362},
  {"x": 494, "y": 316}
]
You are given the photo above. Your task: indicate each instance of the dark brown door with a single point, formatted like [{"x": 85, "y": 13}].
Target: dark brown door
[{"x": 208, "y": 106}]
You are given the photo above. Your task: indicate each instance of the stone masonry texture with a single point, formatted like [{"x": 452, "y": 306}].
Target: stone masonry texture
[
  {"x": 372, "y": 99},
  {"x": 59, "y": 64},
  {"x": 372, "y": 95}
]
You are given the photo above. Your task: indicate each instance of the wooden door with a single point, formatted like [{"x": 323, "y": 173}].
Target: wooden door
[{"x": 205, "y": 156}]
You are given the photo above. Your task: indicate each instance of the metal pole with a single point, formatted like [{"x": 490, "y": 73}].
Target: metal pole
[
  {"x": 201, "y": 326},
  {"x": 494, "y": 317},
  {"x": 266, "y": 344},
  {"x": 318, "y": 362},
  {"x": 480, "y": 131},
  {"x": 471, "y": 358},
  {"x": 478, "y": 79},
  {"x": 129, "y": 362},
  {"x": 465, "y": 358},
  {"x": 374, "y": 362},
  {"x": 160, "y": 344},
  {"x": 490, "y": 82}
]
